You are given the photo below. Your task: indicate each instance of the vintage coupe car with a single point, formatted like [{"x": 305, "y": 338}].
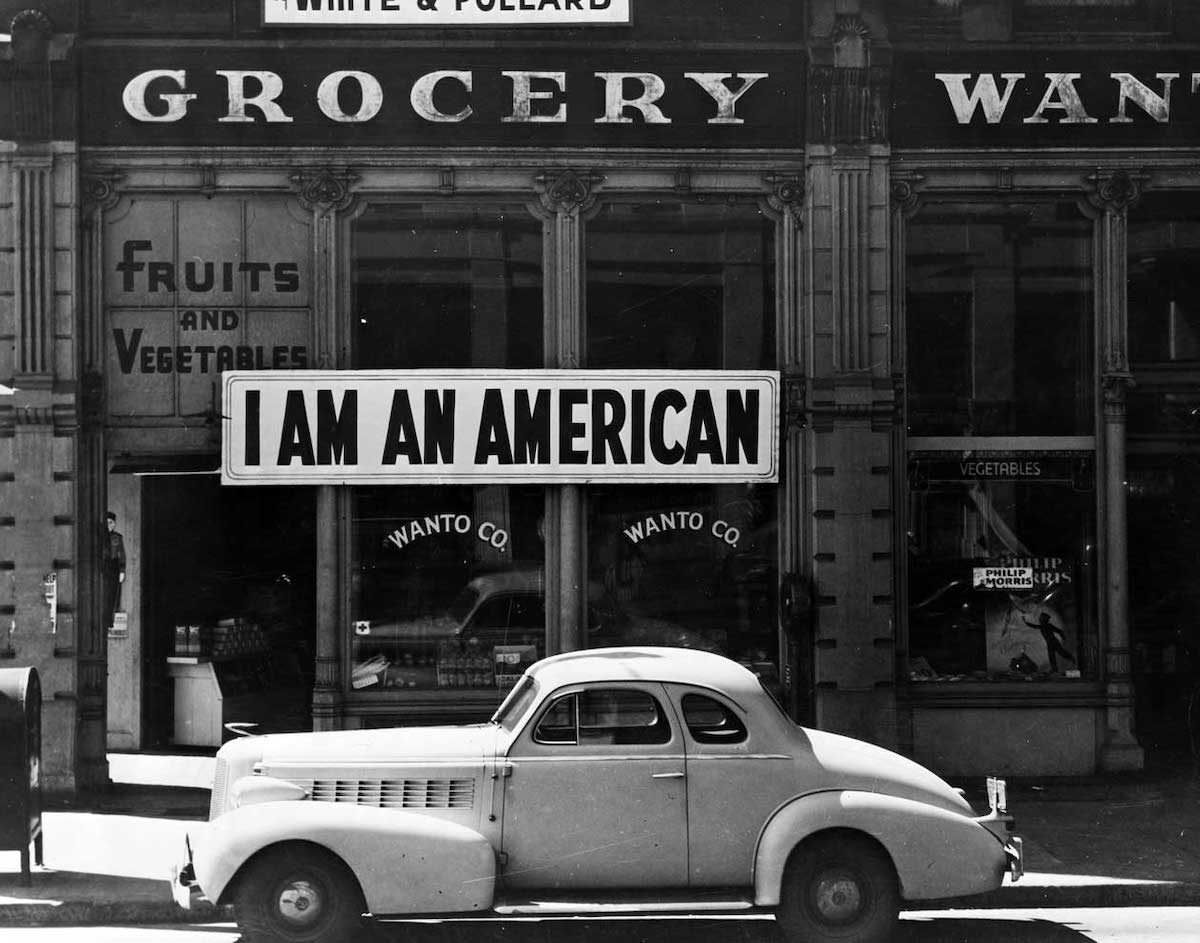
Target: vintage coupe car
[{"x": 627, "y": 780}]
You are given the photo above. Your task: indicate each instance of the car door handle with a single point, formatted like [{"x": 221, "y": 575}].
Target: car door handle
[{"x": 675, "y": 775}]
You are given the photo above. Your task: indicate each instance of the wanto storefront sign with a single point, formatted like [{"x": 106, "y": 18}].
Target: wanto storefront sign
[
  {"x": 473, "y": 426},
  {"x": 443, "y": 13}
]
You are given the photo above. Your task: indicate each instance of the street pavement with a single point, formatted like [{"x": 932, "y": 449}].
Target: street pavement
[{"x": 1120, "y": 841}]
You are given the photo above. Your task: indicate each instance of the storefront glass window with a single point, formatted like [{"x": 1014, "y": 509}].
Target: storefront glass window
[
  {"x": 681, "y": 286},
  {"x": 1164, "y": 279},
  {"x": 447, "y": 583},
  {"x": 1001, "y": 570},
  {"x": 1001, "y": 538},
  {"x": 999, "y": 320}
]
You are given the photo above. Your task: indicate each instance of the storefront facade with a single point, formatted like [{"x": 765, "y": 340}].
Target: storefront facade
[{"x": 926, "y": 541}]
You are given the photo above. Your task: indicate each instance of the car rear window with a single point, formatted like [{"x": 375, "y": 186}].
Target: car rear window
[{"x": 710, "y": 721}]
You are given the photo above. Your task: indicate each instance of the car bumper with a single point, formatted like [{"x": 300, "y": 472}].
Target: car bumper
[
  {"x": 1003, "y": 826},
  {"x": 183, "y": 879}
]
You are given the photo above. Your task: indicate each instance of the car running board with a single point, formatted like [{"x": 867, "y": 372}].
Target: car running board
[{"x": 600, "y": 905}]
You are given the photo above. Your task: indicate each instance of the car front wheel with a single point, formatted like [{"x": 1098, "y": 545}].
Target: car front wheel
[
  {"x": 839, "y": 887},
  {"x": 298, "y": 894}
]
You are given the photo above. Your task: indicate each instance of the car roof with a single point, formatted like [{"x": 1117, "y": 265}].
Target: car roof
[
  {"x": 507, "y": 581},
  {"x": 647, "y": 663}
]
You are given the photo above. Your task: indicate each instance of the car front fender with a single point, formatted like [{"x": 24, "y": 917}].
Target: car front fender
[
  {"x": 405, "y": 862},
  {"x": 936, "y": 852}
]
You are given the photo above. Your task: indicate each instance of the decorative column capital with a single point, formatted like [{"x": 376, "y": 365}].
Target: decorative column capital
[
  {"x": 324, "y": 190},
  {"x": 1116, "y": 191},
  {"x": 906, "y": 192},
  {"x": 787, "y": 192},
  {"x": 1116, "y": 386},
  {"x": 568, "y": 191},
  {"x": 101, "y": 188}
]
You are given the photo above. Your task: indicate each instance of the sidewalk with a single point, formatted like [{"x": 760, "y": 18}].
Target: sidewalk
[{"x": 1121, "y": 841}]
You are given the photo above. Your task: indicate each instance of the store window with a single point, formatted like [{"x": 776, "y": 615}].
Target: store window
[
  {"x": 675, "y": 285},
  {"x": 447, "y": 582},
  {"x": 1001, "y": 468},
  {"x": 1164, "y": 280}
]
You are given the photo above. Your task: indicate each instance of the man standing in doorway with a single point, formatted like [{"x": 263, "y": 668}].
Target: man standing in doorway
[{"x": 114, "y": 567}]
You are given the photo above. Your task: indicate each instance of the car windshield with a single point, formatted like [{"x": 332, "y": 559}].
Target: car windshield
[
  {"x": 513, "y": 707},
  {"x": 463, "y": 603},
  {"x": 773, "y": 697}
]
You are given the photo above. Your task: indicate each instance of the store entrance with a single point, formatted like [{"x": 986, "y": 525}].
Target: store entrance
[
  {"x": 1164, "y": 547},
  {"x": 228, "y": 596}
]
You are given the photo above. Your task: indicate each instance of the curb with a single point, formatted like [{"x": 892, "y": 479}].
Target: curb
[
  {"x": 1156, "y": 894},
  {"x": 83, "y": 913}
]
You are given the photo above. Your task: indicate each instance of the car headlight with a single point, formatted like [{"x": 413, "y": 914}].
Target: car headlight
[{"x": 252, "y": 790}]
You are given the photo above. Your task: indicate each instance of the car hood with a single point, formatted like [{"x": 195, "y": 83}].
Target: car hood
[
  {"x": 363, "y": 748},
  {"x": 854, "y": 764}
]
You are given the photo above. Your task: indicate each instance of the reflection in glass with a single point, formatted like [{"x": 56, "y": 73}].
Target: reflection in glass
[
  {"x": 999, "y": 320},
  {"x": 446, "y": 593}
]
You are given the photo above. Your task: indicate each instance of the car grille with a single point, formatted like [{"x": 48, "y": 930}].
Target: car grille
[
  {"x": 394, "y": 793},
  {"x": 220, "y": 781}
]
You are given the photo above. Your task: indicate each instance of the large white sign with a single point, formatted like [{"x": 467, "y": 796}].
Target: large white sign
[
  {"x": 441, "y": 13},
  {"x": 433, "y": 426}
]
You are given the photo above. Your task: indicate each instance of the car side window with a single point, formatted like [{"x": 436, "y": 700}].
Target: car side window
[
  {"x": 604, "y": 716},
  {"x": 491, "y": 614},
  {"x": 710, "y": 721},
  {"x": 528, "y": 612}
]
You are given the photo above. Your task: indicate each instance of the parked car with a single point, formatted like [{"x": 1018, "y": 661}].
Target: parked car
[{"x": 648, "y": 777}]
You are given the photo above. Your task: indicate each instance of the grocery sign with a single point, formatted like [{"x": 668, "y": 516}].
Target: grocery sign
[
  {"x": 443, "y": 13},
  {"x": 492, "y": 426}
]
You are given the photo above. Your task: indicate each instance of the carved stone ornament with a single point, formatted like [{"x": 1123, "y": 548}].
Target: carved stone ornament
[
  {"x": 30, "y": 31},
  {"x": 324, "y": 190},
  {"x": 1116, "y": 387},
  {"x": 787, "y": 192},
  {"x": 101, "y": 188},
  {"x": 1117, "y": 190},
  {"x": 906, "y": 193},
  {"x": 567, "y": 191}
]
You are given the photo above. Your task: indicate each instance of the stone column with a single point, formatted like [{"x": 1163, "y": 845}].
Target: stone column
[
  {"x": 1110, "y": 195},
  {"x": 565, "y": 198},
  {"x": 851, "y": 391},
  {"x": 327, "y": 194},
  {"x": 42, "y": 526}
]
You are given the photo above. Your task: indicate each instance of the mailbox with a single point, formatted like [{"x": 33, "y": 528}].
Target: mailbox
[{"x": 20, "y": 764}]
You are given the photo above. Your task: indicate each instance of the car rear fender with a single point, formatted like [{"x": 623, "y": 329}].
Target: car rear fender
[
  {"x": 405, "y": 862},
  {"x": 936, "y": 852}
]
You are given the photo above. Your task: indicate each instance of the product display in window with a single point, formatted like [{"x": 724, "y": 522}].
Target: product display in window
[
  {"x": 1001, "y": 573},
  {"x": 448, "y": 584}
]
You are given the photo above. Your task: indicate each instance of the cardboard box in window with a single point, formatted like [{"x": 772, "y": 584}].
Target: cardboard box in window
[{"x": 510, "y": 662}]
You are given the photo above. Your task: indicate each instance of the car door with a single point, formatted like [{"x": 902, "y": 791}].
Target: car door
[
  {"x": 735, "y": 782},
  {"x": 595, "y": 794}
]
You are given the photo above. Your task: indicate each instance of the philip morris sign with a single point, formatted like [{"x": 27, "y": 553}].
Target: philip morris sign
[
  {"x": 279, "y": 96},
  {"x": 443, "y": 13},
  {"x": 489, "y": 426}
]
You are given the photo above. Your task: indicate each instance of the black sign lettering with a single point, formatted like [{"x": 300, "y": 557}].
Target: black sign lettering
[
  {"x": 493, "y": 440},
  {"x": 295, "y": 439}
]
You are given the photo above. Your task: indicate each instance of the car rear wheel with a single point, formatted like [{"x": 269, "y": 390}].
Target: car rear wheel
[
  {"x": 298, "y": 894},
  {"x": 839, "y": 887}
]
